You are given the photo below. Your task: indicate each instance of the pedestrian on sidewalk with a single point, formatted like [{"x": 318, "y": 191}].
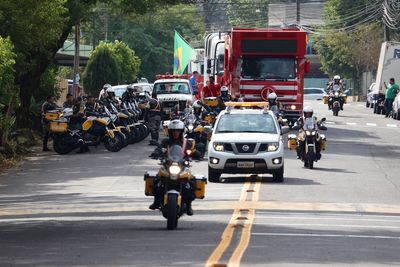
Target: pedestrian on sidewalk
[{"x": 391, "y": 93}]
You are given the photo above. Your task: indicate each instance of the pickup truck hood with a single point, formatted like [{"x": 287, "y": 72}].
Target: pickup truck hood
[
  {"x": 174, "y": 97},
  {"x": 245, "y": 138}
]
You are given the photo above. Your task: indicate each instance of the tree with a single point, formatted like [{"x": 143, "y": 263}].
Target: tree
[
  {"x": 102, "y": 68},
  {"x": 128, "y": 62}
]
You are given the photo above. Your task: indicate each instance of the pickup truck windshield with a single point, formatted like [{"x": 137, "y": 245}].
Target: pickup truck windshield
[
  {"x": 246, "y": 123},
  {"x": 172, "y": 88},
  {"x": 268, "y": 68}
]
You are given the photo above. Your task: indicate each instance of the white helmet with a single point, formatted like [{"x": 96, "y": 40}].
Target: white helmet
[
  {"x": 110, "y": 90},
  {"x": 176, "y": 125},
  {"x": 336, "y": 77},
  {"x": 308, "y": 111},
  {"x": 67, "y": 112},
  {"x": 224, "y": 89},
  {"x": 272, "y": 96},
  {"x": 197, "y": 104},
  {"x": 106, "y": 86}
]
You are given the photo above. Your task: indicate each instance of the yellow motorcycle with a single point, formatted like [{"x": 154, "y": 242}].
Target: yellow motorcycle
[{"x": 174, "y": 185}]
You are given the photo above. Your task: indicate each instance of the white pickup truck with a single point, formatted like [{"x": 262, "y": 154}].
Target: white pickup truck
[{"x": 173, "y": 93}]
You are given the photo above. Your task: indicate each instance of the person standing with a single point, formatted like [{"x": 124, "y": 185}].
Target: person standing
[
  {"x": 193, "y": 82},
  {"x": 153, "y": 117},
  {"x": 391, "y": 93},
  {"x": 210, "y": 90},
  {"x": 48, "y": 105},
  {"x": 69, "y": 101}
]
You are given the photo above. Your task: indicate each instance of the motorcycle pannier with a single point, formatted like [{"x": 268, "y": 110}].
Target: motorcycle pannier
[
  {"x": 149, "y": 182},
  {"x": 292, "y": 142},
  {"x": 58, "y": 127},
  {"x": 51, "y": 116},
  {"x": 200, "y": 186},
  {"x": 211, "y": 101},
  {"x": 323, "y": 142},
  {"x": 326, "y": 100}
]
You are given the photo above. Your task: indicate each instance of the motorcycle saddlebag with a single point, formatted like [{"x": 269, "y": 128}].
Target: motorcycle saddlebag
[
  {"x": 201, "y": 182},
  {"x": 211, "y": 101},
  {"x": 149, "y": 178},
  {"x": 58, "y": 127},
  {"x": 323, "y": 142},
  {"x": 292, "y": 141},
  {"x": 326, "y": 99},
  {"x": 52, "y": 115}
]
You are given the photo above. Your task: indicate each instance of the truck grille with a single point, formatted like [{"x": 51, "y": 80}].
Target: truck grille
[{"x": 245, "y": 147}]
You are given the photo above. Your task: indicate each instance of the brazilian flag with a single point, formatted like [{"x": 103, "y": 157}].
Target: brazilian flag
[{"x": 183, "y": 53}]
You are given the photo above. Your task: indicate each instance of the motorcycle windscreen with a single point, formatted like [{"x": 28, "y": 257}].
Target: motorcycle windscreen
[
  {"x": 309, "y": 124},
  {"x": 175, "y": 153},
  {"x": 191, "y": 119}
]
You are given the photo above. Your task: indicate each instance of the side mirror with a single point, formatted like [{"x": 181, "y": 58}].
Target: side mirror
[
  {"x": 307, "y": 67},
  {"x": 323, "y": 119},
  {"x": 322, "y": 128},
  {"x": 285, "y": 130},
  {"x": 208, "y": 129}
]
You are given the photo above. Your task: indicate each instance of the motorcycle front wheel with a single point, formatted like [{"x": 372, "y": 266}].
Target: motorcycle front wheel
[
  {"x": 310, "y": 159},
  {"x": 172, "y": 211},
  {"x": 63, "y": 144},
  {"x": 114, "y": 144}
]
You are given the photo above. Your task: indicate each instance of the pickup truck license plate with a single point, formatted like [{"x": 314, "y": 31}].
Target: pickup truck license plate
[{"x": 245, "y": 164}]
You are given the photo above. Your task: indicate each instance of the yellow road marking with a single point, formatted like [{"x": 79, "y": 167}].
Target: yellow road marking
[
  {"x": 237, "y": 255},
  {"x": 245, "y": 223},
  {"x": 227, "y": 235}
]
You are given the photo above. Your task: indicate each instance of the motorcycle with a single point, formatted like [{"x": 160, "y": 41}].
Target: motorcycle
[
  {"x": 93, "y": 131},
  {"x": 307, "y": 141},
  {"x": 197, "y": 132},
  {"x": 175, "y": 184}
]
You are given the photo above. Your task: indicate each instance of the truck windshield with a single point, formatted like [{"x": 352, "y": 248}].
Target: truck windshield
[
  {"x": 247, "y": 123},
  {"x": 171, "y": 88},
  {"x": 268, "y": 68}
]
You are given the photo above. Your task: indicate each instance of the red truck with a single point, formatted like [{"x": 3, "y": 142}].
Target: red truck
[{"x": 260, "y": 61}]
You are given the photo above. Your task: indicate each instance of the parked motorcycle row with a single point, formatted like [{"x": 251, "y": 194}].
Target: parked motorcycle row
[{"x": 115, "y": 127}]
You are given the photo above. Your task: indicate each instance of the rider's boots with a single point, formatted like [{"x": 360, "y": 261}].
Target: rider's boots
[
  {"x": 156, "y": 203},
  {"x": 189, "y": 210}
]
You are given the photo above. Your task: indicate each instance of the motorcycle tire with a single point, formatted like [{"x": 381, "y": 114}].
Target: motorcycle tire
[
  {"x": 126, "y": 134},
  {"x": 172, "y": 211},
  {"x": 133, "y": 137},
  {"x": 142, "y": 132},
  {"x": 63, "y": 144},
  {"x": 310, "y": 159},
  {"x": 114, "y": 144},
  {"x": 147, "y": 130}
]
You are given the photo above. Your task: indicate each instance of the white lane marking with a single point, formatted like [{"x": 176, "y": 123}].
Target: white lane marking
[
  {"x": 330, "y": 122},
  {"x": 329, "y": 235},
  {"x": 326, "y": 218},
  {"x": 371, "y": 124},
  {"x": 333, "y": 214},
  {"x": 351, "y": 123},
  {"x": 391, "y": 125},
  {"x": 328, "y": 225},
  {"x": 359, "y": 105}
]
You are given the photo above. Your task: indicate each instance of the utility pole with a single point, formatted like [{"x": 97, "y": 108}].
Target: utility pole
[
  {"x": 298, "y": 12},
  {"x": 76, "y": 61},
  {"x": 386, "y": 32}
]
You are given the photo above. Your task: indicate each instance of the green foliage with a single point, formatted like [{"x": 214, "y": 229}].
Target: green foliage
[
  {"x": 102, "y": 68},
  {"x": 150, "y": 35},
  {"x": 248, "y": 13},
  {"x": 7, "y": 73},
  {"x": 127, "y": 61}
]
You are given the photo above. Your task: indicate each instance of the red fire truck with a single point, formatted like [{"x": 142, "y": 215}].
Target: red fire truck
[{"x": 260, "y": 61}]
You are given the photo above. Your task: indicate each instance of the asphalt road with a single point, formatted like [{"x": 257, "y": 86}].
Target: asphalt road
[{"x": 90, "y": 209}]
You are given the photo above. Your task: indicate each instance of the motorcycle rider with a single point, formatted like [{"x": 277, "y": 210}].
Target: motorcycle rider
[
  {"x": 48, "y": 105},
  {"x": 307, "y": 118},
  {"x": 130, "y": 94},
  {"x": 69, "y": 101},
  {"x": 274, "y": 104},
  {"x": 224, "y": 97},
  {"x": 335, "y": 86},
  {"x": 153, "y": 117},
  {"x": 176, "y": 130},
  {"x": 90, "y": 106}
]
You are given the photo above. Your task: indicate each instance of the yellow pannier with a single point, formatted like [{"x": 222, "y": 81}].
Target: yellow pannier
[
  {"x": 211, "y": 101},
  {"x": 149, "y": 183},
  {"x": 292, "y": 141},
  {"x": 58, "y": 126},
  {"x": 52, "y": 115},
  {"x": 200, "y": 187}
]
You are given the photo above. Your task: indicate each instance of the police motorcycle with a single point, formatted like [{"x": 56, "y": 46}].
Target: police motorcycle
[
  {"x": 198, "y": 132},
  {"x": 336, "y": 97},
  {"x": 93, "y": 131},
  {"x": 174, "y": 185},
  {"x": 309, "y": 142}
]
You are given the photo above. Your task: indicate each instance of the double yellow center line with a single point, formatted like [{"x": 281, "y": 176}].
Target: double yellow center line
[{"x": 241, "y": 222}]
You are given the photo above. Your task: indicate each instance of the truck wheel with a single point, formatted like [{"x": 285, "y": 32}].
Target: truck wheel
[
  {"x": 213, "y": 175},
  {"x": 277, "y": 176}
]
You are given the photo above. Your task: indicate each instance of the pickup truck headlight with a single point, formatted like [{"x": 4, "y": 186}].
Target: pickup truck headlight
[
  {"x": 218, "y": 147},
  {"x": 273, "y": 147}
]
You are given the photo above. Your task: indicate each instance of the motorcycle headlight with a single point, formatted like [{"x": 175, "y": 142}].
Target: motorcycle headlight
[
  {"x": 336, "y": 94},
  {"x": 313, "y": 133},
  {"x": 273, "y": 147},
  {"x": 190, "y": 127},
  {"x": 219, "y": 147},
  {"x": 308, "y": 133},
  {"x": 174, "y": 169}
]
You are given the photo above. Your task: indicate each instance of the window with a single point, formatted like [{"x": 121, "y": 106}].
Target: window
[
  {"x": 171, "y": 88},
  {"x": 249, "y": 123},
  {"x": 268, "y": 68}
]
